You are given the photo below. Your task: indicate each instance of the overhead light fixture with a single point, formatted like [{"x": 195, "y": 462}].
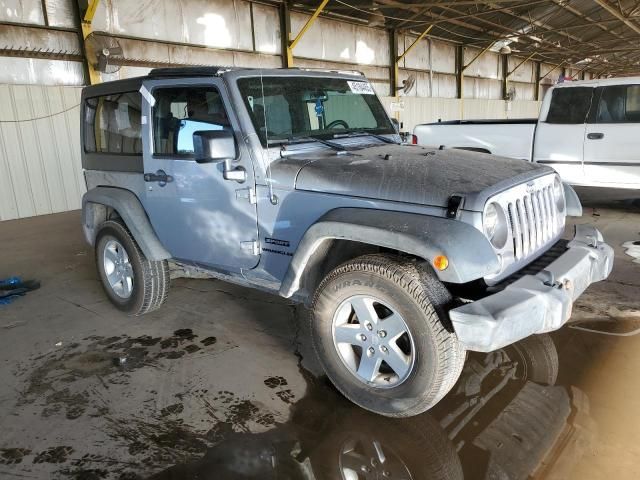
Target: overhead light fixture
[{"x": 502, "y": 46}]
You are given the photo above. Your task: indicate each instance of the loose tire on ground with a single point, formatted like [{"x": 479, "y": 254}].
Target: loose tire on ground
[
  {"x": 417, "y": 296},
  {"x": 151, "y": 279}
]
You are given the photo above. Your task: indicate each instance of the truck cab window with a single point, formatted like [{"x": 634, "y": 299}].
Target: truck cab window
[
  {"x": 180, "y": 112},
  {"x": 570, "y": 105},
  {"x": 619, "y": 104}
]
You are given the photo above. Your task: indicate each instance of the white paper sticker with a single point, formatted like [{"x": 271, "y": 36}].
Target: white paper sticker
[
  {"x": 363, "y": 88},
  {"x": 147, "y": 96},
  {"x": 143, "y": 119}
]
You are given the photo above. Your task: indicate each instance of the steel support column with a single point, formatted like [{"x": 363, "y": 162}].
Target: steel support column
[
  {"x": 291, "y": 45},
  {"x": 85, "y": 23},
  {"x": 393, "y": 67},
  {"x": 285, "y": 32},
  {"x": 504, "y": 81},
  {"x": 398, "y": 58},
  {"x": 536, "y": 92},
  {"x": 459, "y": 70}
]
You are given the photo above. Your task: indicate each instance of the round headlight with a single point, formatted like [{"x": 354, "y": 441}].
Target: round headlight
[
  {"x": 494, "y": 223},
  {"x": 490, "y": 220},
  {"x": 558, "y": 194}
]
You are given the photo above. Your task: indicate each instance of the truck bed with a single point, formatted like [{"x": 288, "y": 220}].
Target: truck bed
[
  {"x": 488, "y": 121},
  {"x": 507, "y": 138}
]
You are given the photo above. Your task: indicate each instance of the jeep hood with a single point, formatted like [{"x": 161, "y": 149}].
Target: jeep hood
[{"x": 403, "y": 173}]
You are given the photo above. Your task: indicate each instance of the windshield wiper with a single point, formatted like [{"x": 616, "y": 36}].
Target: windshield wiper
[
  {"x": 361, "y": 133},
  {"x": 294, "y": 140}
]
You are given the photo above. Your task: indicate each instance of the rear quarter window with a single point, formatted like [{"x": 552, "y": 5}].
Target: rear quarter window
[{"x": 112, "y": 124}]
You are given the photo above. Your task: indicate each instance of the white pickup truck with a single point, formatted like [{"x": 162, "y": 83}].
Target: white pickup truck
[{"x": 589, "y": 131}]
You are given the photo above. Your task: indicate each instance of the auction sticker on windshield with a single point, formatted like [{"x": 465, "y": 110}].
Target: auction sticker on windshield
[{"x": 363, "y": 88}]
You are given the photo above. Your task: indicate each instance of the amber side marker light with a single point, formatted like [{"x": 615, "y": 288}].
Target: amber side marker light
[{"x": 440, "y": 262}]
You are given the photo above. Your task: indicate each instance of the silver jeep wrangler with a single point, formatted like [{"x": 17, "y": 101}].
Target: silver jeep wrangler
[{"x": 295, "y": 182}]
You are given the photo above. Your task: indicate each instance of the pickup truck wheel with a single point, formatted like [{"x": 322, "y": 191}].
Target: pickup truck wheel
[
  {"x": 133, "y": 284},
  {"x": 380, "y": 329}
]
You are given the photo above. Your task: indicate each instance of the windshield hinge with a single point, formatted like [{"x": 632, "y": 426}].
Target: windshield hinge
[
  {"x": 251, "y": 246},
  {"x": 248, "y": 194}
]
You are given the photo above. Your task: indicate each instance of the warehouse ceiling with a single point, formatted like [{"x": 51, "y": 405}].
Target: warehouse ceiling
[{"x": 602, "y": 36}]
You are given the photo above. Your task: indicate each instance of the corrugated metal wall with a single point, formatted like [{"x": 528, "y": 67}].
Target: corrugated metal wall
[{"x": 40, "y": 169}]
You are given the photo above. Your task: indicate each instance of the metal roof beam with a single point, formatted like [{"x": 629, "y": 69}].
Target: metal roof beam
[
  {"x": 581, "y": 15},
  {"x": 603, "y": 4},
  {"x": 560, "y": 50},
  {"x": 586, "y": 50},
  {"x": 545, "y": 27}
]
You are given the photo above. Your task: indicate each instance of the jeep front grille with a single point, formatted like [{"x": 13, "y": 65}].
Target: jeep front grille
[{"x": 534, "y": 221}]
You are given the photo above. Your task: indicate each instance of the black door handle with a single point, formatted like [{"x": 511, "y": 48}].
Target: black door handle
[
  {"x": 595, "y": 136},
  {"x": 160, "y": 176}
]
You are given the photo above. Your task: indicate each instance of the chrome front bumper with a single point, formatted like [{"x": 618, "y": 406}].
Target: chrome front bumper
[{"x": 535, "y": 303}]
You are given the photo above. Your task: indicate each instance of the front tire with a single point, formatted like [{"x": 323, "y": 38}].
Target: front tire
[
  {"x": 133, "y": 283},
  {"x": 380, "y": 329}
]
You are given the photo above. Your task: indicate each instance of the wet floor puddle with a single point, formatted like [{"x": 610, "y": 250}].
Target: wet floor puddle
[
  {"x": 506, "y": 418},
  {"x": 509, "y": 416}
]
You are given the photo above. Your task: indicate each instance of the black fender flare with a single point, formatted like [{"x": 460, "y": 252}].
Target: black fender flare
[
  {"x": 128, "y": 206},
  {"x": 470, "y": 254}
]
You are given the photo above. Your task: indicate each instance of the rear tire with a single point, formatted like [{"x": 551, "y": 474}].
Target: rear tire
[
  {"x": 400, "y": 368},
  {"x": 133, "y": 284}
]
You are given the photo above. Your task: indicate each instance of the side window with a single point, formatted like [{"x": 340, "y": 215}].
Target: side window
[
  {"x": 180, "y": 112},
  {"x": 619, "y": 104},
  {"x": 569, "y": 105},
  {"x": 112, "y": 124}
]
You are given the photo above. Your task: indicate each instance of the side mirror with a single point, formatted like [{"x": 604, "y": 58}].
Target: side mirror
[{"x": 214, "y": 146}]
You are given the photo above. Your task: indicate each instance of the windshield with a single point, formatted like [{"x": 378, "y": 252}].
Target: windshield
[{"x": 286, "y": 108}]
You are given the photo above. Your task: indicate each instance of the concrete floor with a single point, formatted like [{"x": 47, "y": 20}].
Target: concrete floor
[{"x": 217, "y": 384}]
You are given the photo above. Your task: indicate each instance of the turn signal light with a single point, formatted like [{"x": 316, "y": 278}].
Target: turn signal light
[
  {"x": 440, "y": 262},
  {"x": 414, "y": 139}
]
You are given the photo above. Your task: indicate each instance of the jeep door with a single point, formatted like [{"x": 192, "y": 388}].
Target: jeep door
[{"x": 200, "y": 217}]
